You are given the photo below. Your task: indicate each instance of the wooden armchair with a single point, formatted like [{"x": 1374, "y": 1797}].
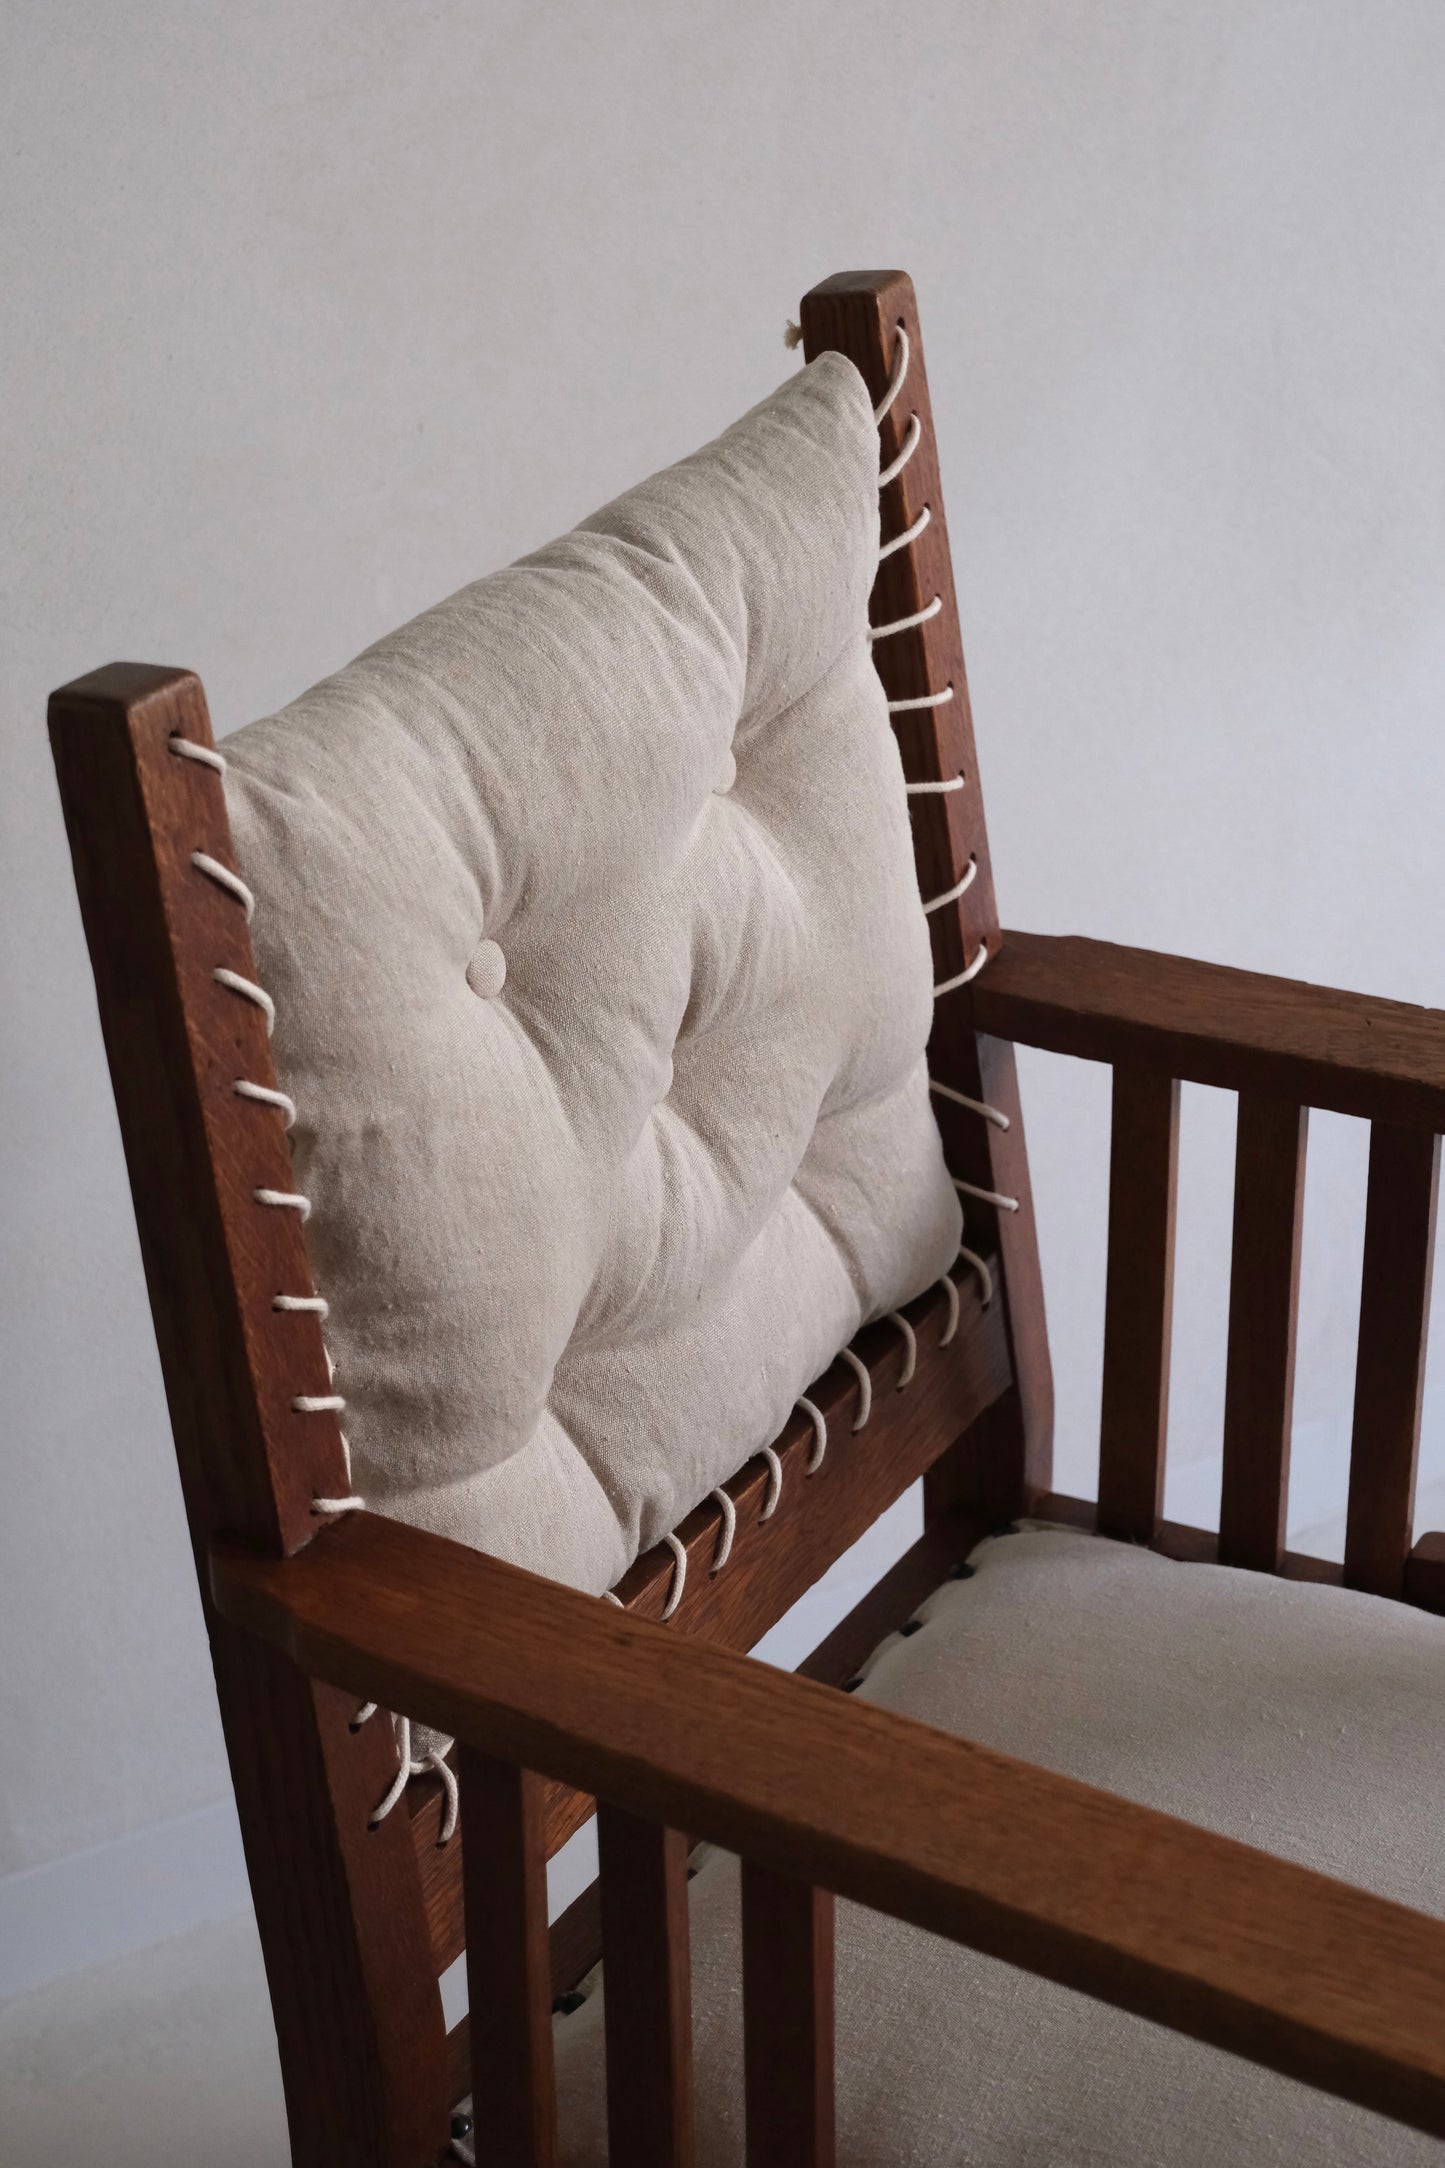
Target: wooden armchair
[{"x": 647, "y": 1706}]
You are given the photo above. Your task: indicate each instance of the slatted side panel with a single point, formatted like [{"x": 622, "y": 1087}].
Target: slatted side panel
[
  {"x": 645, "y": 1943},
  {"x": 1400, "y": 1212},
  {"x": 1138, "y": 1303},
  {"x": 788, "y": 1944},
  {"x": 1269, "y": 1169}
]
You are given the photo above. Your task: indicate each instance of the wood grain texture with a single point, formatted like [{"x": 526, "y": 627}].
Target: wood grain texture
[
  {"x": 1269, "y": 1172},
  {"x": 1308, "y": 1976},
  {"x": 509, "y": 1963},
  {"x": 1209, "y": 1024},
  {"x": 776, "y": 1561},
  {"x": 1400, "y": 1213},
  {"x": 788, "y": 1968},
  {"x": 862, "y": 314},
  {"x": 1138, "y": 1303},
  {"x": 1176, "y": 1539},
  {"x": 648, "y": 2014},
  {"x": 338, "y": 1905}
]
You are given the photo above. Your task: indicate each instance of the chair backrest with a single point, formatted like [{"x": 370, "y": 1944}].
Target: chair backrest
[{"x": 358, "y": 1918}]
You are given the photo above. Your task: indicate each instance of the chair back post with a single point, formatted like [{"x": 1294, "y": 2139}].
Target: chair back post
[
  {"x": 338, "y": 1904},
  {"x": 1005, "y": 1458}
]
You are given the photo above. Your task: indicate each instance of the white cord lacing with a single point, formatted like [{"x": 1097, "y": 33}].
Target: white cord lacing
[
  {"x": 975, "y": 1106},
  {"x": 966, "y": 976},
  {"x": 679, "y": 1573},
  {"x": 910, "y": 1348},
  {"x": 941, "y": 787},
  {"x": 264, "y": 1096},
  {"x": 410, "y": 1765},
  {"x": 820, "y": 1434},
  {"x": 909, "y": 534},
  {"x": 726, "y": 1532},
  {"x": 895, "y": 467},
  {"x": 905, "y": 624},
  {"x": 285, "y": 1200},
  {"x": 923, "y": 700},
  {"x": 862, "y": 1373},
  {"x": 986, "y": 1196}
]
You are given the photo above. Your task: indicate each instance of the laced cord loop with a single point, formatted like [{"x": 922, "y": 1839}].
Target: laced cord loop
[
  {"x": 820, "y": 1434},
  {"x": 860, "y": 1371},
  {"x": 231, "y": 884}
]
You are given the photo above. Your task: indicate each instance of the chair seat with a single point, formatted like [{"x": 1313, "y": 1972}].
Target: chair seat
[{"x": 1304, "y": 1719}]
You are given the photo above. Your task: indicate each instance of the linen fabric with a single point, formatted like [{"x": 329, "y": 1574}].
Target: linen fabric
[
  {"x": 1302, "y": 1719},
  {"x": 602, "y": 984}
]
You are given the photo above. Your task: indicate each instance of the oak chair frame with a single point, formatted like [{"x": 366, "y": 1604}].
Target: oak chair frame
[{"x": 557, "y": 1701}]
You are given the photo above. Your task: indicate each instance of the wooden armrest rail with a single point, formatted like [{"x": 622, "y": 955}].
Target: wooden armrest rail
[
  {"x": 1209, "y": 1024},
  {"x": 1316, "y": 1979}
]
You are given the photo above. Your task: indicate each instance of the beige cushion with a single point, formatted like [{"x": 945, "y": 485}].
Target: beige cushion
[
  {"x": 588, "y": 907},
  {"x": 1307, "y": 1720}
]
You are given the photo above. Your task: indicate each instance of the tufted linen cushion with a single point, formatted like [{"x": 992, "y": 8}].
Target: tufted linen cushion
[
  {"x": 602, "y": 986},
  {"x": 1306, "y": 1720}
]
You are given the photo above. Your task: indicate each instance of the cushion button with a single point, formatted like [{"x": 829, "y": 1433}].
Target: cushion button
[
  {"x": 726, "y": 777},
  {"x": 487, "y": 971}
]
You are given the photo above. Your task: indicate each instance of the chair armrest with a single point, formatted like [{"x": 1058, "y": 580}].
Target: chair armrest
[
  {"x": 1209, "y": 1024},
  {"x": 1314, "y": 1978}
]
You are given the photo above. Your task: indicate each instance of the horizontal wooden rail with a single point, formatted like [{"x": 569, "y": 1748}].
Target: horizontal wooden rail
[
  {"x": 1208, "y": 1024},
  {"x": 1311, "y": 1977},
  {"x": 1177, "y": 1539}
]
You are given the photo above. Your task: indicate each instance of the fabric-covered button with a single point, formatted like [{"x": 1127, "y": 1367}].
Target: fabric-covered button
[
  {"x": 727, "y": 775},
  {"x": 487, "y": 971}
]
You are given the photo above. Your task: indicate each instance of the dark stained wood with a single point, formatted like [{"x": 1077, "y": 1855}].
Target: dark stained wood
[
  {"x": 1390, "y": 1364},
  {"x": 862, "y": 1473},
  {"x": 787, "y": 2021},
  {"x": 861, "y": 314},
  {"x": 1138, "y": 1302},
  {"x": 1209, "y": 1024},
  {"x": 338, "y": 1905},
  {"x": 1191, "y": 1546},
  {"x": 776, "y": 1561},
  {"x": 1311, "y": 1977},
  {"x": 1425, "y": 1573},
  {"x": 509, "y": 1964},
  {"x": 1269, "y": 1170},
  {"x": 890, "y": 1603},
  {"x": 196, "y": 1153},
  {"x": 649, "y": 1991}
]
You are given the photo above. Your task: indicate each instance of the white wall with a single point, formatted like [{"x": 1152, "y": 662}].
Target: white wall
[{"x": 315, "y": 311}]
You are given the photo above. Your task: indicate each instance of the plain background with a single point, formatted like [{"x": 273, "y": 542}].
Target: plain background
[{"x": 314, "y": 311}]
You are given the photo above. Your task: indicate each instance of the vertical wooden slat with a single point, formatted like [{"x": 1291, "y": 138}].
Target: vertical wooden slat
[
  {"x": 1138, "y": 1303},
  {"x": 509, "y": 1963},
  {"x": 1390, "y": 1366},
  {"x": 1269, "y": 1168},
  {"x": 649, "y": 1991},
  {"x": 862, "y": 314},
  {"x": 787, "y": 2021}
]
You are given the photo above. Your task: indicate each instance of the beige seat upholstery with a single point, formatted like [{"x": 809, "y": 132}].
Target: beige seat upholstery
[
  {"x": 602, "y": 984},
  {"x": 1304, "y": 1719}
]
